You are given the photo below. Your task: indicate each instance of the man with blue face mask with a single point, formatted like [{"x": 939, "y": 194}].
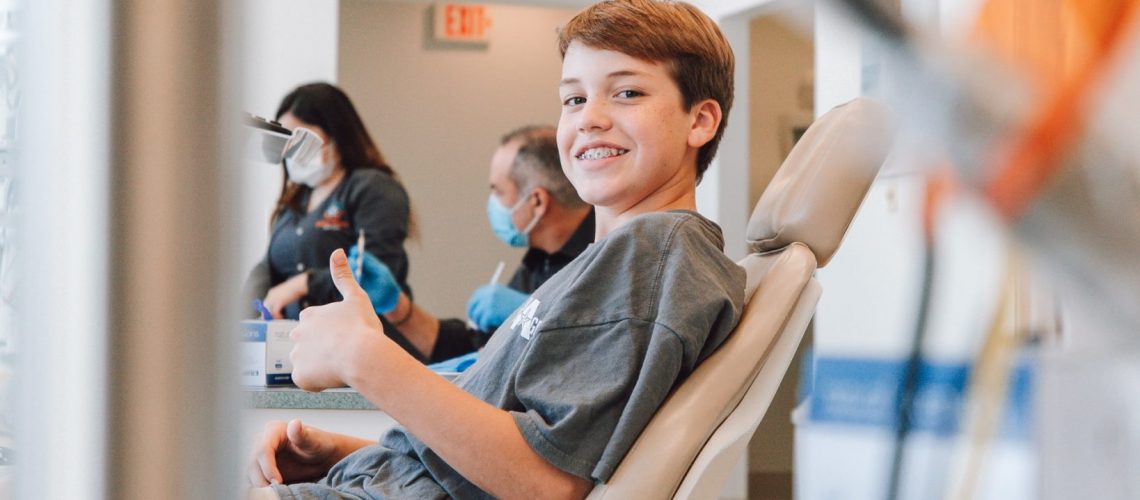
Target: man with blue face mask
[{"x": 531, "y": 204}]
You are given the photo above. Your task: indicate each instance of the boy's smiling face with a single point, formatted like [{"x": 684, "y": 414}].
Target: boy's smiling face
[{"x": 625, "y": 139}]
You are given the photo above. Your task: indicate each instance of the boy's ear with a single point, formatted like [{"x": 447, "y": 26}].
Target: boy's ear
[{"x": 706, "y": 118}]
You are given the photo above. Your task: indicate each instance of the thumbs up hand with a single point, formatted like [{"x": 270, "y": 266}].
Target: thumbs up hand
[{"x": 332, "y": 340}]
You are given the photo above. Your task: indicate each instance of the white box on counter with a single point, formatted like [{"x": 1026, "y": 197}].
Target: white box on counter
[{"x": 265, "y": 347}]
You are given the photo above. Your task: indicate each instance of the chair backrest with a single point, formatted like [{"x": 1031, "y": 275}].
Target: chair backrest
[{"x": 690, "y": 445}]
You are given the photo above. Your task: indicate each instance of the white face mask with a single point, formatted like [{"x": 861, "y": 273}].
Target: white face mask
[
  {"x": 311, "y": 174},
  {"x": 302, "y": 157}
]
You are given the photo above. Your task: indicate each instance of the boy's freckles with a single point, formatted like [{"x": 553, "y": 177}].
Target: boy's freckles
[{"x": 623, "y": 131}]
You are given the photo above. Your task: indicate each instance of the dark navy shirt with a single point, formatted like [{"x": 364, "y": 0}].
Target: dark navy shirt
[{"x": 365, "y": 198}]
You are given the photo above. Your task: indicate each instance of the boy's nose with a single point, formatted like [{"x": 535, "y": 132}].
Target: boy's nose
[{"x": 594, "y": 116}]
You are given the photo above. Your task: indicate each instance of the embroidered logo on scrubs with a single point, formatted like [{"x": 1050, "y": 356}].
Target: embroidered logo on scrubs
[
  {"x": 333, "y": 218},
  {"x": 526, "y": 317}
]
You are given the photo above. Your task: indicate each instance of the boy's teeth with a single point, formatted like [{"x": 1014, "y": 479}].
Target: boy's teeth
[{"x": 599, "y": 153}]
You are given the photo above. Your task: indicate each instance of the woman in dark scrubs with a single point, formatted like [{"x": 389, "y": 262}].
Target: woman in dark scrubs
[{"x": 326, "y": 202}]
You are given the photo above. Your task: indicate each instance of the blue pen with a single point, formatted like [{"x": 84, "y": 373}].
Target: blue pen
[{"x": 260, "y": 306}]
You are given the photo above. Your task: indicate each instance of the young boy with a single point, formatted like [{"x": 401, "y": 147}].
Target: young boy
[{"x": 567, "y": 384}]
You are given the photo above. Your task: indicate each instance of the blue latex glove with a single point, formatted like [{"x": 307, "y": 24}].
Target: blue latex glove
[
  {"x": 376, "y": 280},
  {"x": 455, "y": 365},
  {"x": 262, "y": 310},
  {"x": 492, "y": 304}
]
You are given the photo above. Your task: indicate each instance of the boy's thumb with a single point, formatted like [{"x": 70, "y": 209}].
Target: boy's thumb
[
  {"x": 342, "y": 276},
  {"x": 296, "y": 432},
  {"x": 298, "y": 435}
]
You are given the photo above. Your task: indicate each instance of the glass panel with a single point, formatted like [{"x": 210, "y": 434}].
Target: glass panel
[{"x": 9, "y": 337}]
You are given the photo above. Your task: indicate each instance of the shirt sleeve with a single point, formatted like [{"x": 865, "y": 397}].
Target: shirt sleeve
[
  {"x": 378, "y": 205},
  {"x": 257, "y": 284},
  {"x": 309, "y": 491},
  {"x": 584, "y": 412},
  {"x": 456, "y": 339},
  {"x": 521, "y": 281},
  {"x": 382, "y": 211}
]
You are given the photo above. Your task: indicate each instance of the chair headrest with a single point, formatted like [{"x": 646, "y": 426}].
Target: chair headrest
[{"x": 816, "y": 192}]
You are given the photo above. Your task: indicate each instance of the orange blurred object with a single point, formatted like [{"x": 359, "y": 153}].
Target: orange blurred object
[
  {"x": 1064, "y": 46},
  {"x": 940, "y": 185},
  {"x": 1049, "y": 40}
]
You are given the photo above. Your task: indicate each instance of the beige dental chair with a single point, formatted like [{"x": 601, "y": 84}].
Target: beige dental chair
[{"x": 691, "y": 445}]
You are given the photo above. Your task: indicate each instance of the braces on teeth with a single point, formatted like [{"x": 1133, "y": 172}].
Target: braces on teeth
[{"x": 599, "y": 153}]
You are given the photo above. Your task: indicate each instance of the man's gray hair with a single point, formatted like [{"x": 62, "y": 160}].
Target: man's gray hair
[{"x": 537, "y": 164}]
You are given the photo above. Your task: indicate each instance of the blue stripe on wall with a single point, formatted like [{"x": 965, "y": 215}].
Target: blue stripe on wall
[{"x": 866, "y": 392}]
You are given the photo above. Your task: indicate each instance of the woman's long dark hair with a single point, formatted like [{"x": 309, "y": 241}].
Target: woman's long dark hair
[{"x": 329, "y": 108}]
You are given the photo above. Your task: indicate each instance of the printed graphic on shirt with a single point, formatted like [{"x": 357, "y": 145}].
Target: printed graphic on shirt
[
  {"x": 526, "y": 317},
  {"x": 333, "y": 218}
]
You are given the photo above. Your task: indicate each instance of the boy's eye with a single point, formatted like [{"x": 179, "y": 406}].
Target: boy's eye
[
  {"x": 628, "y": 94},
  {"x": 573, "y": 101}
]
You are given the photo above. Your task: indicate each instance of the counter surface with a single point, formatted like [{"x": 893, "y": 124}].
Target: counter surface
[
  {"x": 292, "y": 398},
  {"x": 289, "y": 397}
]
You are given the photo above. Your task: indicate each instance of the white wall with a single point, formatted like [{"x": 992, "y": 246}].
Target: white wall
[
  {"x": 871, "y": 286},
  {"x": 285, "y": 44},
  {"x": 437, "y": 113},
  {"x": 780, "y": 64},
  {"x": 780, "y": 59},
  {"x": 838, "y": 58}
]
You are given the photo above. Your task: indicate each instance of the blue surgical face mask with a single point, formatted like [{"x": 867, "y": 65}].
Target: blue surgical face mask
[{"x": 502, "y": 225}]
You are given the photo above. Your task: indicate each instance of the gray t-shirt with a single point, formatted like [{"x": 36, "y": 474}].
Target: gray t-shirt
[{"x": 583, "y": 364}]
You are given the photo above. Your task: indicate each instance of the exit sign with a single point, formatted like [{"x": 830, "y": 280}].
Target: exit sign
[{"x": 463, "y": 23}]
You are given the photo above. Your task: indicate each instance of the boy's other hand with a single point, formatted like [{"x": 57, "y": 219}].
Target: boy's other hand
[
  {"x": 289, "y": 453},
  {"x": 330, "y": 339}
]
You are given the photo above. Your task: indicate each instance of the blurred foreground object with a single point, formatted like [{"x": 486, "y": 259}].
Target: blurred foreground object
[{"x": 1036, "y": 113}]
